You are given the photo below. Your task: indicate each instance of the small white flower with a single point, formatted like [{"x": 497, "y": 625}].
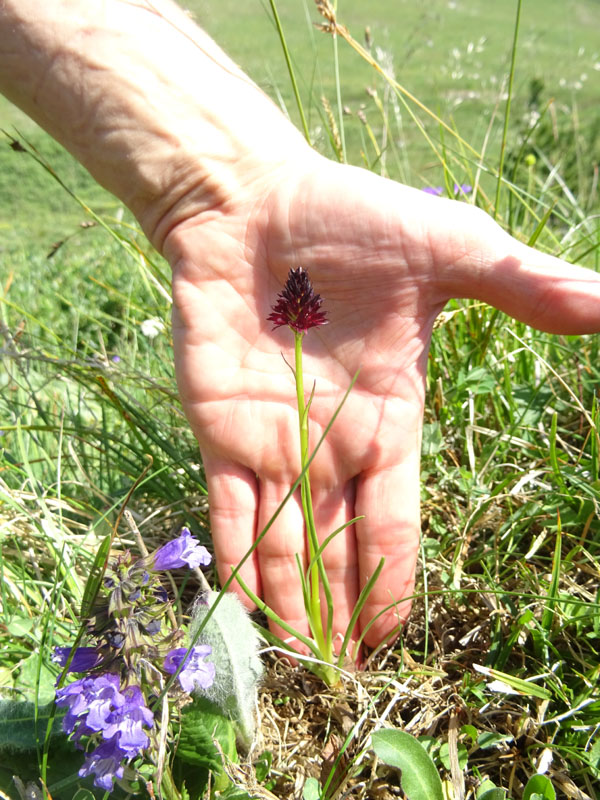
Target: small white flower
[
  {"x": 545, "y": 761},
  {"x": 150, "y": 328}
]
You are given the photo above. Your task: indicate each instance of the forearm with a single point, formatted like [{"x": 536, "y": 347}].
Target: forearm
[{"x": 144, "y": 99}]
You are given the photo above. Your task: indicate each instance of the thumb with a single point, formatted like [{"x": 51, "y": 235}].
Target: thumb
[{"x": 538, "y": 289}]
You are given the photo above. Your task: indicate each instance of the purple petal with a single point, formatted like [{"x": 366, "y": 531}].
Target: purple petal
[
  {"x": 85, "y": 658},
  {"x": 182, "y": 551},
  {"x": 126, "y": 723},
  {"x": 92, "y": 699},
  {"x": 436, "y": 190},
  {"x": 463, "y": 188},
  {"x": 195, "y": 673},
  {"x": 105, "y": 763}
]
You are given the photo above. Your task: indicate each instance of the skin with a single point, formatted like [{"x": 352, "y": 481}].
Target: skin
[{"x": 227, "y": 189}]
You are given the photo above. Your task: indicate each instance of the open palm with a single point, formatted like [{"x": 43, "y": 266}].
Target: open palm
[{"x": 385, "y": 258}]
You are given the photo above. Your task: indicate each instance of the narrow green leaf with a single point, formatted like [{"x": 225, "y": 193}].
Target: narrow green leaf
[
  {"x": 95, "y": 578},
  {"x": 487, "y": 739},
  {"x": 540, "y": 226},
  {"x": 420, "y": 779},
  {"x": 526, "y": 688},
  {"x": 548, "y": 613},
  {"x": 362, "y": 599}
]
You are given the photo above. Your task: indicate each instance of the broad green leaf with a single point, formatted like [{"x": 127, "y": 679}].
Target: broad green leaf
[
  {"x": 539, "y": 787},
  {"x": 492, "y": 794},
  {"x": 234, "y": 793},
  {"x": 20, "y": 626},
  {"x": 262, "y": 766},
  {"x": 470, "y": 731},
  {"x": 420, "y": 779},
  {"x": 311, "y": 789},
  {"x": 28, "y": 680},
  {"x": 463, "y": 755},
  {"x": 433, "y": 439},
  {"x": 201, "y": 724}
]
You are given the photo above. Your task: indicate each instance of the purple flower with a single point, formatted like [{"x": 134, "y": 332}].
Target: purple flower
[
  {"x": 115, "y": 359},
  {"x": 297, "y": 305},
  {"x": 105, "y": 764},
  {"x": 153, "y": 627},
  {"x": 463, "y": 188},
  {"x": 127, "y": 721},
  {"x": 195, "y": 673},
  {"x": 90, "y": 698},
  {"x": 181, "y": 551},
  {"x": 73, "y": 697},
  {"x": 85, "y": 658}
]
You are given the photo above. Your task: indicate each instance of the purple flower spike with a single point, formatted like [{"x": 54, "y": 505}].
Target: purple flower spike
[
  {"x": 185, "y": 550},
  {"x": 297, "y": 305},
  {"x": 105, "y": 764},
  {"x": 85, "y": 658},
  {"x": 195, "y": 673}
]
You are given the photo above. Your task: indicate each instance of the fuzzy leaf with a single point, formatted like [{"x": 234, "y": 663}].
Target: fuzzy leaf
[
  {"x": 420, "y": 779},
  {"x": 19, "y": 730},
  {"x": 234, "y": 643}
]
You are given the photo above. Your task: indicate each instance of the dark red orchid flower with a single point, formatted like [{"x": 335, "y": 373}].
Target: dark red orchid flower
[{"x": 297, "y": 305}]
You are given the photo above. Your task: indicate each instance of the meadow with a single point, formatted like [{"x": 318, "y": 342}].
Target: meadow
[{"x": 497, "y": 671}]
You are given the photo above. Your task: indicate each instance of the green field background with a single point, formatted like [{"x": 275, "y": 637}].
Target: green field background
[{"x": 452, "y": 54}]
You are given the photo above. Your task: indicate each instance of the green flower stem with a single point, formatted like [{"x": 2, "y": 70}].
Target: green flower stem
[{"x": 316, "y": 570}]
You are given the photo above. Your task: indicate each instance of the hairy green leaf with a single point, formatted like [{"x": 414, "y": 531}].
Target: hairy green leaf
[
  {"x": 20, "y": 731},
  {"x": 234, "y": 643}
]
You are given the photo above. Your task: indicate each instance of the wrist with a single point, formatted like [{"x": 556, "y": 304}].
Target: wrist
[{"x": 146, "y": 101}]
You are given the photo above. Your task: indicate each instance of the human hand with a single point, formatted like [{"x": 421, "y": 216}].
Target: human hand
[{"x": 385, "y": 258}]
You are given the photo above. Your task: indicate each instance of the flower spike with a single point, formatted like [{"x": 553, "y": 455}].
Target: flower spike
[{"x": 297, "y": 305}]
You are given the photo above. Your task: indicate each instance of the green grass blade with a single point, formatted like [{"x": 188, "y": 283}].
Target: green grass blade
[{"x": 511, "y": 78}]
